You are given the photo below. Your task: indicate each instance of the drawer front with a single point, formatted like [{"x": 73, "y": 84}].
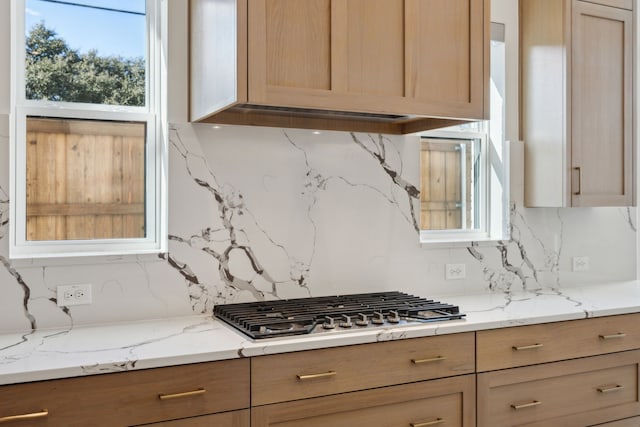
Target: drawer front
[
  {"x": 131, "y": 398},
  {"x": 283, "y": 377},
  {"x": 181, "y": 391},
  {"x": 528, "y": 345},
  {"x": 226, "y": 419},
  {"x": 443, "y": 403},
  {"x": 628, "y": 422},
  {"x": 622, "y": 4},
  {"x": 576, "y": 392}
]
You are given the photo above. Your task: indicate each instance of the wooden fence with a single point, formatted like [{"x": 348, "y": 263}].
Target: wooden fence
[
  {"x": 441, "y": 185},
  {"x": 85, "y": 179}
]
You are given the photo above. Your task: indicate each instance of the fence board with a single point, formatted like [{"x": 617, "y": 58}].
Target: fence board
[{"x": 87, "y": 185}]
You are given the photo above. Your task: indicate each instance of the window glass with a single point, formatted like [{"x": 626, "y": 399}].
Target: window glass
[
  {"x": 450, "y": 183},
  {"x": 88, "y": 161},
  {"x": 85, "y": 179},
  {"x": 88, "y": 51}
]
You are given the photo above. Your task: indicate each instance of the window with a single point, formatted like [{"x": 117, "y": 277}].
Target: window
[
  {"x": 464, "y": 170},
  {"x": 86, "y": 129}
]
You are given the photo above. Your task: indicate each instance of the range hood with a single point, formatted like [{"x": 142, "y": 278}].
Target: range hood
[
  {"x": 306, "y": 118},
  {"x": 319, "y": 64}
]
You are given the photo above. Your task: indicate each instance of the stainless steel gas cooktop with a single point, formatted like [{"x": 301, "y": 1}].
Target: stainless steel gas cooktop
[{"x": 302, "y": 316}]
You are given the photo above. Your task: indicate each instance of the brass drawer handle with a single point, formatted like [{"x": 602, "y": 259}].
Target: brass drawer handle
[
  {"x": 527, "y": 347},
  {"x": 428, "y": 423},
  {"x": 197, "y": 392},
  {"x": 315, "y": 376},
  {"x": 610, "y": 389},
  {"x": 526, "y": 405},
  {"x": 612, "y": 336},
  {"x": 42, "y": 414},
  {"x": 433, "y": 359}
]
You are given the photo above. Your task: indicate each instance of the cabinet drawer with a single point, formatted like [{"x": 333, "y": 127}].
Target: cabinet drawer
[
  {"x": 446, "y": 402},
  {"x": 569, "y": 393},
  {"x": 528, "y": 345},
  {"x": 282, "y": 377},
  {"x": 226, "y": 419},
  {"x": 628, "y": 422},
  {"x": 131, "y": 398},
  {"x": 622, "y": 4}
]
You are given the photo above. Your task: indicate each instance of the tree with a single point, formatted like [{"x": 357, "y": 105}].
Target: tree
[{"x": 55, "y": 72}]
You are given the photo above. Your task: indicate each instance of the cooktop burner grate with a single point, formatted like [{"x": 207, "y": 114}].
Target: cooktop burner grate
[{"x": 299, "y": 316}]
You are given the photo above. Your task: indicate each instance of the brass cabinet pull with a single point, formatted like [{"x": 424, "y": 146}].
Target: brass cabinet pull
[
  {"x": 617, "y": 387},
  {"x": 431, "y": 360},
  {"x": 315, "y": 376},
  {"x": 428, "y": 423},
  {"x": 42, "y": 414},
  {"x": 527, "y": 347},
  {"x": 526, "y": 405},
  {"x": 197, "y": 392},
  {"x": 612, "y": 336}
]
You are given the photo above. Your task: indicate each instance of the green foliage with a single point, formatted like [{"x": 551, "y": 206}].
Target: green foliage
[{"x": 55, "y": 72}]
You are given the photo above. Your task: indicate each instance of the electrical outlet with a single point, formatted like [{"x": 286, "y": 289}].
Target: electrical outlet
[
  {"x": 74, "y": 295},
  {"x": 455, "y": 271},
  {"x": 580, "y": 263}
]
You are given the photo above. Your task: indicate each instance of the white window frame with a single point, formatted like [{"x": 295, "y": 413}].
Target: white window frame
[
  {"x": 494, "y": 208},
  {"x": 153, "y": 114}
]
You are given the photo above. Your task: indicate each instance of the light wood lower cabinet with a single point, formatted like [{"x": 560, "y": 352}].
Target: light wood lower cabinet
[
  {"x": 550, "y": 342},
  {"x": 446, "y": 402},
  {"x": 128, "y": 398},
  {"x": 627, "y": 422},
  {"x": 578, "y": 392},
  {"x": 291, "y": 376}
]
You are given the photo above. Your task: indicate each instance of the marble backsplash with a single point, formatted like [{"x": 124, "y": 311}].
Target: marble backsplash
[{"x": 260, "y": 213}]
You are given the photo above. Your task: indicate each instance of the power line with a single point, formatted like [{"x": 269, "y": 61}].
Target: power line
[{"x": 108, "y": 9}]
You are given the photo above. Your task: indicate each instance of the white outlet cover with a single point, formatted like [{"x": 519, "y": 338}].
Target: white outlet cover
[
  {"x": 73, "y": 295},
  {"x": 455, "y": 271},
  {"x": 580, "y": 263}
]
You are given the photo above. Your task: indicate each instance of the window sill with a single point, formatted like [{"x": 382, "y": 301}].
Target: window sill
[
  {"x": 85, "y": 259},
  {"x": 449, "y": 241}
]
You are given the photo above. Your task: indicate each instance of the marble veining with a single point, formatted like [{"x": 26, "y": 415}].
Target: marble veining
[
  {"x": 261, "y": 213},
  {"x": 378, "y": 150}
]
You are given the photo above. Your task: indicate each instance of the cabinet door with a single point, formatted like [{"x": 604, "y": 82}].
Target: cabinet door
[
  {"x": 445, "y": 403},
  {"x": 422, "y": 57},
  {"x": 601, "y": 106}
]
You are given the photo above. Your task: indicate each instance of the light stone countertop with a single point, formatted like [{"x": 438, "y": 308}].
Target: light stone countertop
[{"x": 50, "y": 354}]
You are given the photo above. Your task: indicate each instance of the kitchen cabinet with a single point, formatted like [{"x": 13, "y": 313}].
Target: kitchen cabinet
[
  {"x": 573, "y": 373},
  {"x": 447, "y": 402},
  {"x": 627, "y": 422},
  {"x": 130, "y": 398},
  {"x": 422, "y": 381},
  {"x": 577, "y": 95},
  {"x": 534, "y": 344},
  {"x": 290, "y": 376},
  {"x": 575, "y": 392},
  {"x": 392, "y": 66}
]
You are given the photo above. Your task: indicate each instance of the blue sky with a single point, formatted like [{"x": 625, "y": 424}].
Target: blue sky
[{"x": 110, "y": 33}]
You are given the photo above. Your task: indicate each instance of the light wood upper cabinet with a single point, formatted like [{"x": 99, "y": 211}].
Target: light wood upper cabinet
[
  {"x": 577, "y": 102},
  {"x": 394, "y": 66}
]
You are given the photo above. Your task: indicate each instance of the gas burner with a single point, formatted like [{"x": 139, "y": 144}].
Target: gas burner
[{"x": 332, "y": 314}]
